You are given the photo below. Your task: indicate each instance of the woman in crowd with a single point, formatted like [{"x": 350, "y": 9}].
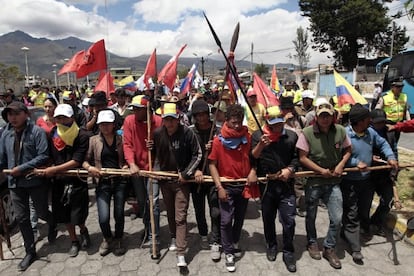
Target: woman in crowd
[
  {"x": 47, "y": 122},
  {"x": 106, "y": 151}
]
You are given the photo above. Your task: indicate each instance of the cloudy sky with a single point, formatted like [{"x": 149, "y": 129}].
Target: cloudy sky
[{"x": 131, "y": 27}]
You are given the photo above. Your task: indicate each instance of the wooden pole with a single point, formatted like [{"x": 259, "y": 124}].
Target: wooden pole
[{"x": 151, "y": 188}]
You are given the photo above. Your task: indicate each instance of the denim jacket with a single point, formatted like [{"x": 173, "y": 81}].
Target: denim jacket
[{"x": 33, "y": 153}]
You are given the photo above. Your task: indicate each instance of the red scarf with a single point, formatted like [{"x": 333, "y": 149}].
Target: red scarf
[
  {"x": 227, "y": 132},
  {"x": 273, "y": 136}
]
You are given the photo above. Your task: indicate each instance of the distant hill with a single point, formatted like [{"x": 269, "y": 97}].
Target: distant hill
[{"x": 44, "y": 53}]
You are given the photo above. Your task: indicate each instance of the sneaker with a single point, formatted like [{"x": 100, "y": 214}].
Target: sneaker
[
  {"x": 74, "y": 249},
  {"x": 172, "y": 246},
  {"x": 27, "y": 261},
  {"x": 181, "y": 260},
  {"x": 118, "y": 247},
  {"x": 85, "y": 239},
  {"x": 237, "y": 251},
  {"x": 215, "y": 252},
  {"x": 290, "y": 262},
  {"x": 230, "y": 265},
  {"x": 104, "y": 248},
  {"x": 204, "y": 243},
  {"x": 357, "y": 257}
]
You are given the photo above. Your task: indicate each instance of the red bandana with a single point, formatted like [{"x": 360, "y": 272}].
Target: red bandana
[
  {"x": 273, "y": 136},
  {"x": 227, "y": 132}
]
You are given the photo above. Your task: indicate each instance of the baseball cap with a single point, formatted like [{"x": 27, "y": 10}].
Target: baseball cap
[
  {"x": 308, "y": 94},
  {"x": 139, "y": 101},
  {"x": 199, "y": 106},
  {"x": 176, "y": 90},
  {"x": 15, "y": 106},
  {"x": 274, "y": 116},
  {"x": 63, "y": 110},
  {"x": 68, "y": 95},
  {"x": 251, "y": 92},
  {"x": 222, "y": 107},
  {"x": 169, "y": 110},
  {"x": 378, "y": 115},
  {"x": 105, "y": 116},
  {"x": 322, "y": 105}
]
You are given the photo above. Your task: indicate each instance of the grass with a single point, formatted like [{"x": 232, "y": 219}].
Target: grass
[{"x": 405, "y": 184}]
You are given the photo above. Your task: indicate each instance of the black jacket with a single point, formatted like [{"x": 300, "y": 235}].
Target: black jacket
[{"x": 179, "y": 152}]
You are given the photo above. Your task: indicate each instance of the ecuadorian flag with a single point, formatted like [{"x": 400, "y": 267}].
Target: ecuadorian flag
[{"x": 346, "y": 92}]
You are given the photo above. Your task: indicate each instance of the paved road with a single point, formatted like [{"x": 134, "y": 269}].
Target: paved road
[
  {"x": 381, "y": 254},
  {"x": 407, "y": 141}
]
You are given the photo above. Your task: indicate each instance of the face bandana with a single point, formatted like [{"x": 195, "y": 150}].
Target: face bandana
[
  {"x": 231, "y": 138},
  {"x": 273, "y": 136},
  {"x": 65, "y": 135}
]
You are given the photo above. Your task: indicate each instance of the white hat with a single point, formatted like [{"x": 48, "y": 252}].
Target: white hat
[
  {"x": 308, "y": 94},
  {"x": 176, "y": 89},
  {"x": 85, "y": 101},
  {"x": 106, "y": 116},
  {"x": 63, "y": 110}
]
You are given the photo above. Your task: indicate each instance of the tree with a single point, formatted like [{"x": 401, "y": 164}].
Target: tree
[
  {"x": 261, "y": 69},
  {"x": 409, "y": 7},
  {"x": 9, "y": 75},
  {"x": 301, "y": 47},
  {"x": 395, "y": 35},
  {"x": 346, "y": 27}
]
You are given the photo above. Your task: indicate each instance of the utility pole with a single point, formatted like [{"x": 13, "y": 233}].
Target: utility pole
[
  {"x": 392, "y": 39},
  {"x": 251, "y": 63}
]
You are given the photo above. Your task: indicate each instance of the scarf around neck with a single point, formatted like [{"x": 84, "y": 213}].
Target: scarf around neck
[
  {"x": 65, "y": 135},
  {"x": 231, "y": 138}
]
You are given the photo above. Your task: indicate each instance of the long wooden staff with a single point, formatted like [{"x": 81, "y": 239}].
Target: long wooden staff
[
  {"x": 207, "y": 179},
  {"x": 151, "y": 188}
]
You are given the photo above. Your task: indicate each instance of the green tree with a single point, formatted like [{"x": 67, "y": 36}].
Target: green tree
[
  {"x": 395, "y": 35},
  {"x": 301, "y": 47},
  {"x": 261, "y": 69},
  {"x": 182, "y": 72},
  {"x": 346, "y": 27},
  {"x": 9, "y": 75}
]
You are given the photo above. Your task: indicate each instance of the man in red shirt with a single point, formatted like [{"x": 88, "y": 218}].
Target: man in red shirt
[
  {"x": 229, "y": 158},
  {"x": 136, "y": 155}
]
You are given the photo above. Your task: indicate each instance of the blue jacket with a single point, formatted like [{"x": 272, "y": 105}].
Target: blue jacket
[
  {"x": 362, "y": 150},
  {"x": 33, "y": 153}
]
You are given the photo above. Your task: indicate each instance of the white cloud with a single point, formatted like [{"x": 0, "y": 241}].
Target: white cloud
[{"x": 167, "y": 25}]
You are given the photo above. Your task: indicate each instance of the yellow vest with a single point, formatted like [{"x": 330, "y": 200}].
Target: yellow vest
[
  {"x": 288, "y": 93},
  {"x": 395, "y": 108},
  {"x": 298, "y": 96}
]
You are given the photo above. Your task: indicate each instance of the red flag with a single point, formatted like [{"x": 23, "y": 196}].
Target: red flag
[
  {"x": 264, "y": 95},
  {"x": 94, "y": 60},
  {"x": 232, "y": 81},
  {"x": 168, "y": 74},
  {"x": 105, "y": 83},
  {"x": 73, "y": 63},
  {"x": 151, "y": 69}
]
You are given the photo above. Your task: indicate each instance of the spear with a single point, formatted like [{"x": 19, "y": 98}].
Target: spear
[{"x": 230, "y": 65}]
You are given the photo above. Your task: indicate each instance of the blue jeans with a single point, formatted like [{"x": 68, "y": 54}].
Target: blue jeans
[
  {"x": 331, "y": 196},
  {"x": 141, "y": 186},
  {"x": 108, "y": 188}
]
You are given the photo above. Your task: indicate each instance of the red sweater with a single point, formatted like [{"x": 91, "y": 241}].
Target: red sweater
[
  {"x": 135, "y": 134},
  {"x": 406, "y": 126}
]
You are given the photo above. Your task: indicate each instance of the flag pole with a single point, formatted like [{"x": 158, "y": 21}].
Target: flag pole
[{"x": 233, "y": 72}]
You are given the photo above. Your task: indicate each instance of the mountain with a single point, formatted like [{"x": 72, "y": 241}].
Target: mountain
[{"x": 43, "y": 53}]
